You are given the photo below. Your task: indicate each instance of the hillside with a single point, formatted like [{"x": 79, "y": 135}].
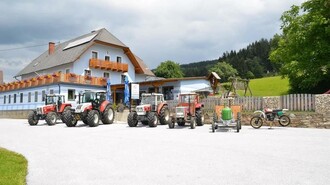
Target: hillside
[{"x": 268, "y": 86}]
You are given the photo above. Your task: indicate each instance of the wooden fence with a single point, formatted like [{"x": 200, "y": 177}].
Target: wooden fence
[{"x": 293, "y": 102}]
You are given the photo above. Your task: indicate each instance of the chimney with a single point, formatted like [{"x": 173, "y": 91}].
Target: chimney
[
  {"x": 1, "y": 77},
  {"x": 51, "y": 48}
]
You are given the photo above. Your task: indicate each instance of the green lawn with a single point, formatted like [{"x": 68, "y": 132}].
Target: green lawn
[
  {"x": 268, "y": 86},
  {"x": 13, "y": 168}
]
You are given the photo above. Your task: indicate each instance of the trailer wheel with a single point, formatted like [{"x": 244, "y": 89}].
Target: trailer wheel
[
  {"x": 132, "y": 119},
  {"x": 192, "y": 123},
  {"x": 33, "y": 118},
  {"x": 152, "y": 119},
  {"x": 108, "y": 115},
  {"x": 51, "y": 118},
  {"x": 93, "y": 118}
]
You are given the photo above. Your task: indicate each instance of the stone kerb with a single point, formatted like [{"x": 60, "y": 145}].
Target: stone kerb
[
  {"x": 322, "y": 104},
  {"x": 273, "y": 102}
]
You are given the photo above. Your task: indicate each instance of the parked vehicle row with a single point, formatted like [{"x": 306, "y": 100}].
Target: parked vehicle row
[{"x": 93, "y": 107}]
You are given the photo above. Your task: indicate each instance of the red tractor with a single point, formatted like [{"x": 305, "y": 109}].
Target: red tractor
[
  {"x": 92, "y": 108},
  {"x": 189, "y": 109},
  {"x": 51, "y": 111},
  {"x": 152, "y": 108}
]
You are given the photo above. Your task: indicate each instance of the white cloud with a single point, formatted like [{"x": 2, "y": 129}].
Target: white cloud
[{"x": 183, "y": 31}]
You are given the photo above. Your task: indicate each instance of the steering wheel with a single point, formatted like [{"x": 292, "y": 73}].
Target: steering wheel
[{"x": 96, "y": 102}]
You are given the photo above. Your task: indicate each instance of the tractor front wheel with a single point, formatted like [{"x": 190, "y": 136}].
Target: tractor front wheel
[
  {"x": 152, "y": 119},
  {"x": 192, "y": 123},
  {"x": 33, "y": 118},
  {"x": 164, "y": 116},
  {"x": 199, "y": 118},
  {"x": 132, "y": 119},
  {"x": 69, "y": 119},
  {"x": 51, "y": 118},
  {"x": 108, "y": 115},
  {"x": 93, "y": 118}
]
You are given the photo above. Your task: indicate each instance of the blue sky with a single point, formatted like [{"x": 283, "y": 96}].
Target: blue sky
[{"x": 183, "y": 31}]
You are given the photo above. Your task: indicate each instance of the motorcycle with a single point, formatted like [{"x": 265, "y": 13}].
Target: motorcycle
[{"x": 270, "y": 115}]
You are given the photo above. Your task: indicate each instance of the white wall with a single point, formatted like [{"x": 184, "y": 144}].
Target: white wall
[{"x": 83, "y": 63}]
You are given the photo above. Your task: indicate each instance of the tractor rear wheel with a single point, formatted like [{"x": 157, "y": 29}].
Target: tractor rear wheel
[
  {"x": 132, "y": 119},
  {"x": 192, "y": 123},
  {"x": 69, "y": 119},
  {"x": 199, "y": 118},
  {"x": 51, "y": 118},
  {"x": 108, "y": 115},
  {"x": 164, "y": 116},
  {"x": 152, "y": 119},
  {"x": 65, "y": 109},
  {"x": 93, "y": 118},
  {"x": 33, "y": 118}
]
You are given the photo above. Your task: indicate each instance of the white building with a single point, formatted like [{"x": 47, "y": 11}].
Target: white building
[{"x": 85, "y": 63}]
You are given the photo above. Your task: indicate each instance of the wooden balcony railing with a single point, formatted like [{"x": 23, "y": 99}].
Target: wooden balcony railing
[
  {"x": 54, "y": 78},
  {"x": 107, "y": 65}
]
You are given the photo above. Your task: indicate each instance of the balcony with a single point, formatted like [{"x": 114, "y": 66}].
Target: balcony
[
  {"x": 53, "y": 78},
  {"x": 107, "y": 65}
]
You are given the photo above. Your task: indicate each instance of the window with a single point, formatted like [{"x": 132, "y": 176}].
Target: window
[
  {"x": 88, "y": 72},
  {"x": 94, "y": 54},
  {"x": 118, "y": 59},
  {"x": 51, "y": 91},
  {"x": 67, "y": 71},
  {"x": 14, "y": 98},
  {"x": 106, "y": 75},
  {"x": 4, "y": 99},
  {"x": 71, "y": 93},
  {"x": 21, "y": 98},
  {"x": 107, "y": 58},
  {"x": 29, "y": 97},
  {"x": 36, "y": 96},
  {"x": 9, "y": 99},
  {"x": 43, "y": 94}
]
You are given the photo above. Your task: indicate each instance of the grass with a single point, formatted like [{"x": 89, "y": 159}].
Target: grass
[
  {"x": 268, "y": 86},
  {"x": 13, "y": 168}
]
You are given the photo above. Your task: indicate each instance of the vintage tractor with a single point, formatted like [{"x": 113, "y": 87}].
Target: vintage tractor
[
  {"x": 51, "y": 111},
  {"x": 227, "y": 117},
  {"x": 152, "y": 108},
  {"x": 188, "y": 110},
  {"x": 92, "y": 108}
]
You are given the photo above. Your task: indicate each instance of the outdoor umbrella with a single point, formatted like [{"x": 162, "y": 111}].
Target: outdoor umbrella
[
  {"x": 126, "y": 92},
  {"x": 109, "y": 90}
]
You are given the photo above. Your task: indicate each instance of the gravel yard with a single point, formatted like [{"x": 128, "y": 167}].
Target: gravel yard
[{"x": 117, "y": 154}]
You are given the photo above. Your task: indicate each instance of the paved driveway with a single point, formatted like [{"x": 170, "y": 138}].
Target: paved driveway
[{"x": 117, "y": 154}]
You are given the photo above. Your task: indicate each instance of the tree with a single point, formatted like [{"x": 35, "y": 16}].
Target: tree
[
  {"x": 169, "y": 69},
  {"x": 224, "y": 70},
  {"x": 304, "y": 47}
]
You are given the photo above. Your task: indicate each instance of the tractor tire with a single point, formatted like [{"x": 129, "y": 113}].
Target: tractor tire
[
  {"x": 108, "y": 115},
  {"x": 152, "y": 119},
  {"x": 181, "y": 123},
  {"x": 213, "y": 126},
  {"x": 132, "y": 119},
  {"x": 164, "y": 116},
  {"x": 65, "y": 109},
  {"x": 192, "y": 123},
  {"x": 199, "y": 118},
  {"x": 51, "y": 118},
  {"x": 145, "y": 122},
  {"x": 171, "y": 124},
  {"x": 256, "y": 122},
  {"x": 33, "y": 118},
  {"x": 69, "y": 119},
  {"x": 93, "y": 118},
  {"x": 284, "y": 120},
  {"x": 84, "y": 120}
]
